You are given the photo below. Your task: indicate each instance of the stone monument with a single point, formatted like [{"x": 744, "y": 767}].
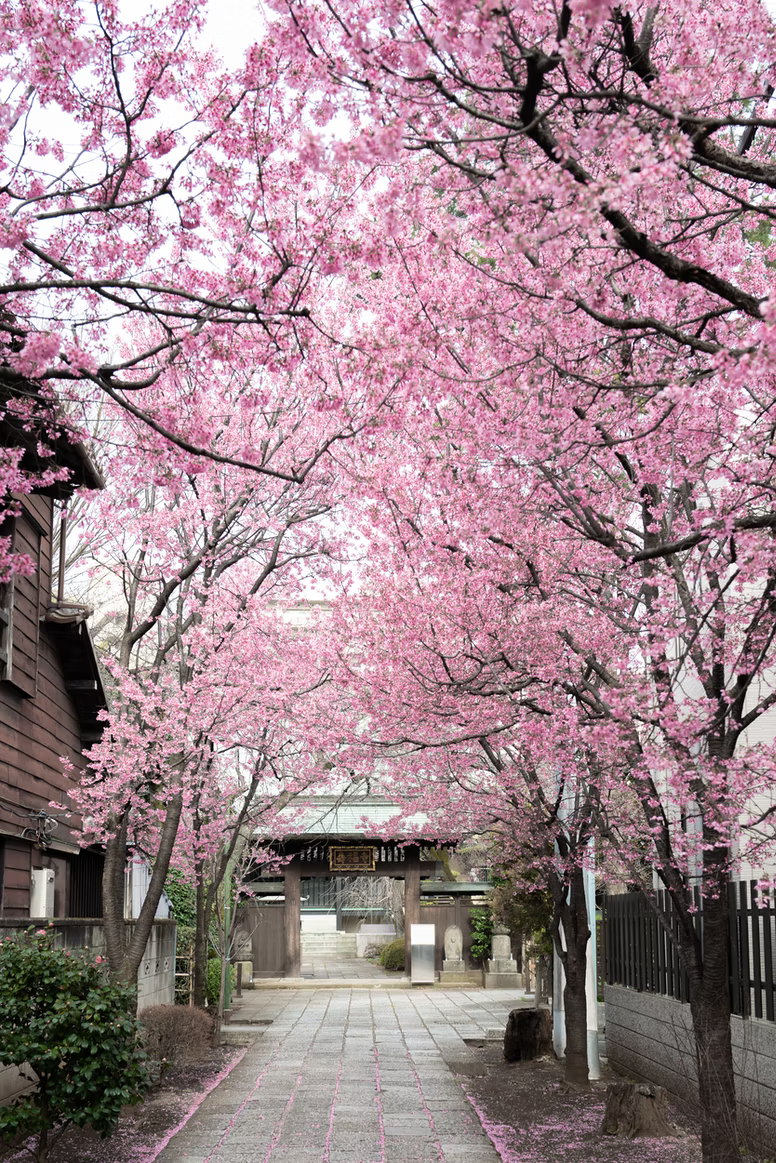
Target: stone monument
[
  {"x": 501, "y": 972},
  {"x": 243, "y": 951},
  {"x": 453, "y": 966}
]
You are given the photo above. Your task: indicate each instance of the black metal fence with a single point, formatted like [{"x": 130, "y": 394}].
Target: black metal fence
[{"x": 641, "y": 949}]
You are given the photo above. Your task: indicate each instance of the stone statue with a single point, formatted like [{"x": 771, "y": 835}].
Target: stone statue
[
  {"x": 242, "y": 942},
  {"x": 453, "y": 943},
  {"x": 453, "y": 967}
]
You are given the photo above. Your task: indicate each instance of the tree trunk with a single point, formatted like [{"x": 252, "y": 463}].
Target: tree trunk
[
  {"x": 124, "y": 957},
  {"x": 42, "y": 1149},
  {"x": 144, "y": 923},
  {"x": 199, "y": 985},
  {"x": 528, "y": 1035},
  {"x": 575, "y": 1003},
  {"x": 113, "y": 881},
  {"x": 710, "y": 1008},
  {"x": 572, "y": 914}
]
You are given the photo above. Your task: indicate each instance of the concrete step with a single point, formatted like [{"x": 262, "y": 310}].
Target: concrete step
[{"x": 339, "y": 944}]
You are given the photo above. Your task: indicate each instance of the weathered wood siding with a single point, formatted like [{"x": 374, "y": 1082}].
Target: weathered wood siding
[
  {"x": 38, "y": 721},
  {"x": 35, "y": 733},
  {"x": 28, "y": 598}
]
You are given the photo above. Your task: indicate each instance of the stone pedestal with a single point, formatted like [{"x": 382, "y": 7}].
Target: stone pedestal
[
  {"x": 246, "y": 981},
  {"x": 453, "y": 972},
  {"x": 501, "y": 971}
]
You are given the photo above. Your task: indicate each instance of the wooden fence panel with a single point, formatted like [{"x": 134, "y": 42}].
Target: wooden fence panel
[{"x": 642, "y": 948}]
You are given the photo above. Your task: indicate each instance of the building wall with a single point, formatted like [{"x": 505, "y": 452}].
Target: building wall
[
  {"x": 35, "y": 731},
  {"x": 650, "y": 1038},
  {"x": 38, "y": 719}
]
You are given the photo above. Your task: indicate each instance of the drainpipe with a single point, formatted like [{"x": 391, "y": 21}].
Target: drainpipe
[{"x": 62, "y": 555}]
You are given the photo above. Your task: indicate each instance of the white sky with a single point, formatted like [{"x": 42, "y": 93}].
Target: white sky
[{"x": 234, "y": 24}]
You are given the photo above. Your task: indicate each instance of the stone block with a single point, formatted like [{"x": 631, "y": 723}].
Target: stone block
[
  {"x": 247, "y": 973},
  {"x": 501, "y": 947},
  {"x": 502, "y": 965},
  {"x": 502, "y": 980}
]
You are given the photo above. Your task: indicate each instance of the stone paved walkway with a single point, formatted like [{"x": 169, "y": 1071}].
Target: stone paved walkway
[
  {"x": 323, "y": 968},
  {"x": 350, "y": 1076}
]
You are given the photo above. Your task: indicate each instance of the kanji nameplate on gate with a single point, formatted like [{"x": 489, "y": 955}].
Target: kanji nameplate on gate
[{"x": 351, "y": 859}]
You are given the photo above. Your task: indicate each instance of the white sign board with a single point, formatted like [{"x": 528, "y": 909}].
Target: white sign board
[{"x": 422, "y": 943}]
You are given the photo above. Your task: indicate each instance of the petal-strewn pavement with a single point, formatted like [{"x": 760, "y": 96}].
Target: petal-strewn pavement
[{"x": 350, "y": 1076}]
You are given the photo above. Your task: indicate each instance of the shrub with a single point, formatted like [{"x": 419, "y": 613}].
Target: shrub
[
  {"x": 183, "y": 899},
  {"x": 176, "y": 1035},
  {"x": 392, "y": 956},
  {"x": 213, "y": 988},
  {"x": 481, "y": 922},
  {"x": 76, "y": 1029}
]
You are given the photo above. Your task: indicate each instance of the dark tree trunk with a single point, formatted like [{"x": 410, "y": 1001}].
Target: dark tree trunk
[
  {"x": 528, "y": 1035},
  {"x": 710, "y": 1008},
  {"x": 571, "y": 914},
  {"x": 575, "y": 1004},
  {"x": 142, "y": 927},
  {"x": 636, "y": 1108},
  {"x": 42, "y": 1151},
  {"x": 125, "y": 956}
]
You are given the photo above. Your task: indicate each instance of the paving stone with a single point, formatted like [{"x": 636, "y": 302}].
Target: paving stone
[{"x": 312, "y": 1088}]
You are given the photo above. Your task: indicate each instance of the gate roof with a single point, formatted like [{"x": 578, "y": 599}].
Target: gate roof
[{"x": 355, "y": 817}]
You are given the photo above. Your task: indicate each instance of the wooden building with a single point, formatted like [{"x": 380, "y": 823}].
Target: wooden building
[{"x": 51, "y": 693}]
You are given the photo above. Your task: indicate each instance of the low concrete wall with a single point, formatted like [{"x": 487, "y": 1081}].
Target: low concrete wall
[
  {"x": 155, "y": 979},
  {"x": 650, "y": 1038},
  {"x": 374, "y": 936}
]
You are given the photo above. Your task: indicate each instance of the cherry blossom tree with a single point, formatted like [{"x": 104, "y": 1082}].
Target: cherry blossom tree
[
  {"x": 593, "y": 407},
  {"x": 464, "y": 720},
  {"x": 158, "y": 213},
  {"x": 29, "y": 432},
  {"x": 196, "y": 563},
  {"x": 560, "y": 315}
]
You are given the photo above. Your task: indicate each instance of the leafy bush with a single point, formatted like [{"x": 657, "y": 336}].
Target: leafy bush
[
  {"x": 77, "y": 1031},
  {"x": 392, "y": 956},
  {"x": 523, "y": 909},
  {"x": 175, "y": 1035},
  {"x": 213, "y": 988},
  {"x": 481, "y": 922},
  {"x": 183, "y": 898}
]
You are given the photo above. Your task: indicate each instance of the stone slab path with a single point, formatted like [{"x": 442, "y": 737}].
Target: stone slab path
[
  {"x": 350, "y": 1076},
  {"x": 320, "y": 967}
]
